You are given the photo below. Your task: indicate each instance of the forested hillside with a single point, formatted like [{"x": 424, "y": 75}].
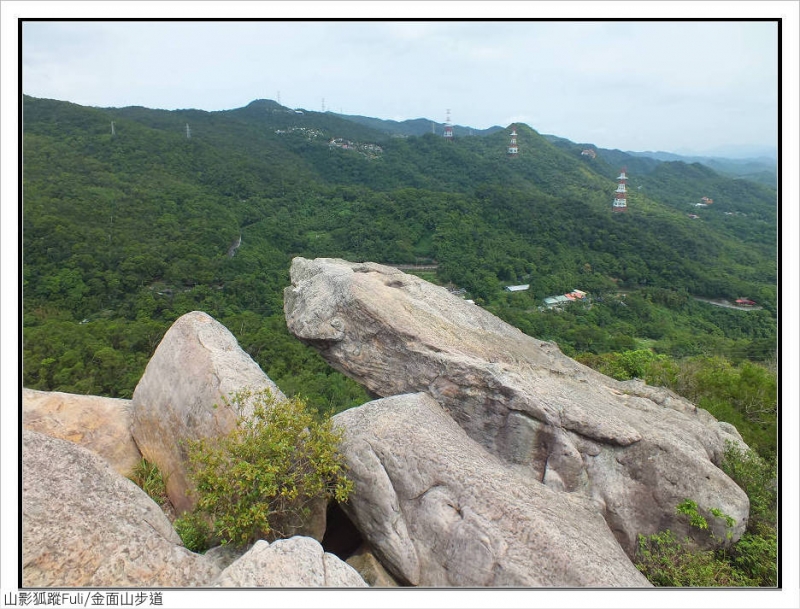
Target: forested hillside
[{"x": 126, "y": 228}]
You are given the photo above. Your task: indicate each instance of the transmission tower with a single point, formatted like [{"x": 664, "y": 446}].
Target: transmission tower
[{"x": 448, "y": 127}]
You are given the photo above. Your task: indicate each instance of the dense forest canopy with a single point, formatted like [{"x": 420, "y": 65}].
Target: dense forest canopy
[{"x": 132, "y": 217}]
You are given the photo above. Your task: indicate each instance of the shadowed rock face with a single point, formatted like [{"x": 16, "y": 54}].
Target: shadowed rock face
[
  {"x": 84, "y": 525},
  {"x": 439, "y": 510},
  {"x": 635, "y": 451},
  {"x": 180, "y": 396}
]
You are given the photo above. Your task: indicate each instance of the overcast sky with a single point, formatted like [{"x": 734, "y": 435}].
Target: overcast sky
[{"x": 645, "y": 85}]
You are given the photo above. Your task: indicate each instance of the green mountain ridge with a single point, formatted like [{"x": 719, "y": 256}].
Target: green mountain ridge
[{"x": 124, "y": 232}]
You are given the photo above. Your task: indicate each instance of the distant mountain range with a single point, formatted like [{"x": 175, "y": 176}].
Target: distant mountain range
[
  {"x": 759, "y": 169},
  {"x": 762, "y": 169},
  {"x": 731, "y": 161},
  {"x": 734, "y": 152}
]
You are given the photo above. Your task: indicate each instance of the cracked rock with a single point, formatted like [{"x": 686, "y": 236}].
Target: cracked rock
[{"x": 575, "y": 430}]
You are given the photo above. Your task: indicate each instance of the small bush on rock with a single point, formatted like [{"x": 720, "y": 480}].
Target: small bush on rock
[
  {"x": 259, "y": 481},
  {"x": 666, "y": 561},
  {"x": 195, "y": 531},
  {"x": 752, "y": 561}
]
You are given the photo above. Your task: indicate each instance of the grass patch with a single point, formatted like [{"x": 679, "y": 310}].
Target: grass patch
[{"x": 148, "y": 477}]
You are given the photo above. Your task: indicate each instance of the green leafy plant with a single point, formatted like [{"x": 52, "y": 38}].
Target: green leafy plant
[
  {"x": 698, "y": 521},
  {"x": 667, "y": 561},
  {"x": 195, "y": 531},
  {"x": 729, "y": 520},
  {"x": 689, "y": 508},
  {"x": 260, "y": 480}
]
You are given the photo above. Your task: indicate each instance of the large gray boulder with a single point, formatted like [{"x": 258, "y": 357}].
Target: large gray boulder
[
  {"x": 181, "y": 396},
  {"x": 440, "y": 510},
  {"x": 635, "y": 451},
  {"x": 98, "y": 423},
  {"x": 85, "y": 525},
  {"x": 298, "y": 562}
]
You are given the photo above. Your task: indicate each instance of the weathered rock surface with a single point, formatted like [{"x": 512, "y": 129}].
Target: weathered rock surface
[
  {"x": 224, "y": 555},
  {"x": 371, "y": 569},
  {"x": 440, "y": 510},
  {"x": 100, "y": 424},
  {"x": 85, "y": 525},
  {"x": 298, "y": 562},
  {"x": 635, "y": 451},
  {"x": 180, "y": 396}
]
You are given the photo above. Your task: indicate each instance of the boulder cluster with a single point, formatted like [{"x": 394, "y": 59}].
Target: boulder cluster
[{"x": 489, "y": 459}]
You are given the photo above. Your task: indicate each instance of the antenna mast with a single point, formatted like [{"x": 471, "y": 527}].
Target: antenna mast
[{"x": 188, "y": 132}]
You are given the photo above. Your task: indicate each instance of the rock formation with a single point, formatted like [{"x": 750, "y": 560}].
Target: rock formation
[
  {"x": 371, "y": 569},
  {"x": 180, "y": 396},
  {"x": 100, "y": 424},
  {"x": 636, "y": 452},
  {"x": 85, "y": 525},
  {"x": 298, "y": 562},
  {"x": 439, "y": 510}
]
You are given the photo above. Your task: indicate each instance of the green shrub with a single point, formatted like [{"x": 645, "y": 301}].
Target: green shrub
[
  {"x": 259, "y": 481},
  {"x": 758, "y": 478},
  {"x": 194, "y": 530},
  {"x": 666, "y": 561},
  {"x": 757, "y": 557},
  {"x": 627, "y": 365}
]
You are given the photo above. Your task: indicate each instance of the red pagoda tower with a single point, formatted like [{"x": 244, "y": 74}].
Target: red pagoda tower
[{"x": 620, "y": 199}]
